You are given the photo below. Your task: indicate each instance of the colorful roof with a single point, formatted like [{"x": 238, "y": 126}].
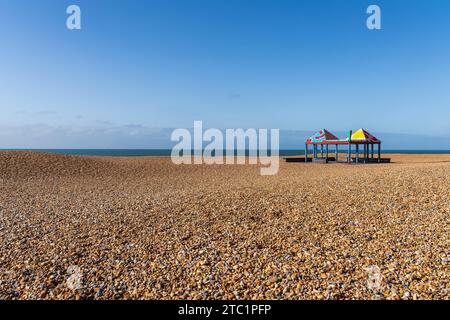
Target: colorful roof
[
  {"x": 362, "y": 135},
  {"x": 322, "y": 136}
]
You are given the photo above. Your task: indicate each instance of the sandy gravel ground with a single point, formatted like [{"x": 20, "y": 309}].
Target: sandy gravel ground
[{"x": 121, "y": 228}]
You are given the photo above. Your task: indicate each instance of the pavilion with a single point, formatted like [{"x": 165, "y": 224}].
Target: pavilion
[
  {"x": 324, "y": 139},
  {"x": 362, "y": 137}
]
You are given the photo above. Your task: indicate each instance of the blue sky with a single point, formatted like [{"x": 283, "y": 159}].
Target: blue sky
[{"x": 138, "y": 66}]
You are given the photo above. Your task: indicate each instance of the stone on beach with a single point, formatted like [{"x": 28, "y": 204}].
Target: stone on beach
[{"x": 75, "y": 227}]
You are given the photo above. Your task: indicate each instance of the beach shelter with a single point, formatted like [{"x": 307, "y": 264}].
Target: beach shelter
[
  {"x": 323, "y": 138},
  {"x": 359, "y": 137},
  {"x": 363, "y": 137}
]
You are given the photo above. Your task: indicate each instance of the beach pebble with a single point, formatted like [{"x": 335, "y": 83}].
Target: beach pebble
[{"x": 75, "y": 227}]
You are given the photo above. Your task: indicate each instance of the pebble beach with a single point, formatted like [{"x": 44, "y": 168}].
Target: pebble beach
[{"x": 78, "y": 227}]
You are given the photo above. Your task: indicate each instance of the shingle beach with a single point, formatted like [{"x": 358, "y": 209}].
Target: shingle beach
[{"x": 74, "y": 227}]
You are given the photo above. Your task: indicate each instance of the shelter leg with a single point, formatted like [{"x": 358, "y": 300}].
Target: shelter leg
[
  {"x": 349, "y": 158},
  {"x": 379, "y": 152},
  {"x": 306, "y": 153},
  {"x": 366, "y": 149},
  {"x": 357, "y": 153},
  {"x": 364, "y": 153}
]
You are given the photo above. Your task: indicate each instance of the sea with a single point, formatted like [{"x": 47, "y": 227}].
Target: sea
[{"x": 167, "y": 152}]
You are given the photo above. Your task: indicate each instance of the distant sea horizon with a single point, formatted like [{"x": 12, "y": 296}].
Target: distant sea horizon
[{"x": 167, "y": 152}]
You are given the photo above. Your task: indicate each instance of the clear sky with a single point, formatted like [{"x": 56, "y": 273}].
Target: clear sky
[{"x": 301, "y": 65}]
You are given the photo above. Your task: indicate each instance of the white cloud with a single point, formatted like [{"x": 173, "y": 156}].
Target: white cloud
[
  {"x": 136, "y": 136},
  {"x": 106, "y": 136}
]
